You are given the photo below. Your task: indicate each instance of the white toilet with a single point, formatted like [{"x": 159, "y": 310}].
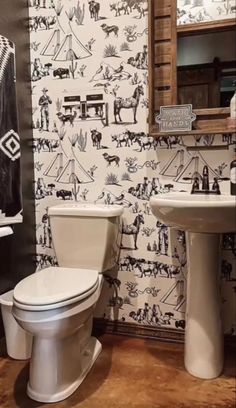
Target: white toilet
[{"x": 56, "y": 304}]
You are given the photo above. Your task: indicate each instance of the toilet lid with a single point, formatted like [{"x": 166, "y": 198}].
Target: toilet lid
[{"x": 55, "y": 284}]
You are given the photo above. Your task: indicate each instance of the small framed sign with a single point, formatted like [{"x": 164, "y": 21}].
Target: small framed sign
[{"x": 175, "y": 118}]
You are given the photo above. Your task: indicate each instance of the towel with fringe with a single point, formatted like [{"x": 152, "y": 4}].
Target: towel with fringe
[{"x": 10, "y": 178}]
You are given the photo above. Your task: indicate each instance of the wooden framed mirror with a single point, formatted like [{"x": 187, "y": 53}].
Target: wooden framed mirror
[{"x": 192, "y": 60}]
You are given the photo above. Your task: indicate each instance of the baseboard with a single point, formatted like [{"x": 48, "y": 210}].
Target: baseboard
[{"x": 102, "y": 326}]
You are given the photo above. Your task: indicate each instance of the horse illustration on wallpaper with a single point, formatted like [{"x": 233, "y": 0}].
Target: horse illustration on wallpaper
[
  {"x": 128, "y": 103},
  {"x": 133, "y": 229}
]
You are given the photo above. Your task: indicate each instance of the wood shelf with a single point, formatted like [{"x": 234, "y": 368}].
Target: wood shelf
[
  {"x": 154, "y": 131},
  {"x": 210, "y": 147}
]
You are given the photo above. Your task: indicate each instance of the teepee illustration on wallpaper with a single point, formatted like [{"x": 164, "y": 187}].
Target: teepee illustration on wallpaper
[
  {"x": 175, "y": 295},
  {"x": 184, "y": 172},
  {"x": 55, "y": 167},
  {"x": 74, "y": 171},
  {"x": 71, "y": 48},
  {"x": 174, "y": 166},
  {"x": 66, "y": 50},
  {"x": 194, "y": 168},
  {"x": 67, "y": 173},
  {"x": 53, "y": 44}
]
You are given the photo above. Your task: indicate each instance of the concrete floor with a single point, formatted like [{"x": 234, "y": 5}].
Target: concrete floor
[{"x": 130, "y": 373}]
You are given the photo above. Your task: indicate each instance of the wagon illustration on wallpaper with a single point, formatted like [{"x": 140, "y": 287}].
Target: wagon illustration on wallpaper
[{"x": 86, "y": 105}]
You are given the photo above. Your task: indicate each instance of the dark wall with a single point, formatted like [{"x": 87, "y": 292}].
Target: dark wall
[{"x": 17, "y": 252}]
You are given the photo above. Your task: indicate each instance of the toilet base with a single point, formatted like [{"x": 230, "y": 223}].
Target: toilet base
[{"x": 87, "y": 358}]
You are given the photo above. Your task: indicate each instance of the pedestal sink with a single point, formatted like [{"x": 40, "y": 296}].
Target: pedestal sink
[{"x": 204, "y": 218}]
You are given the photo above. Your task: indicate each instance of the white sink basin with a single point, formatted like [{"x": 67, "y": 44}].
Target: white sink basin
[
  {"x": 203, "y": 217},
  {"x": 196, "y": 212}
]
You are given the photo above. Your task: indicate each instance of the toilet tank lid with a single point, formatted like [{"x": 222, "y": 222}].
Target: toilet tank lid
[{"x": 86, "y": 210}]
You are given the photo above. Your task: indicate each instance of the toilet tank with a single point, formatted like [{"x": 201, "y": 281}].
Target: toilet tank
[{"x": 86, "y": 235}]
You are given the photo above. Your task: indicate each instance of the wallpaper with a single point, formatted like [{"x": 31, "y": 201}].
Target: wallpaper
[{"x": 91, "y": 144}]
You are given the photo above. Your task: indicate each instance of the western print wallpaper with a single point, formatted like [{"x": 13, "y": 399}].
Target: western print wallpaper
[{"x": 91, "y": 144}]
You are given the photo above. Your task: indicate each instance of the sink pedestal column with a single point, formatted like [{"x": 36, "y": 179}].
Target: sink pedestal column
[{"x": 204, "y": 335}]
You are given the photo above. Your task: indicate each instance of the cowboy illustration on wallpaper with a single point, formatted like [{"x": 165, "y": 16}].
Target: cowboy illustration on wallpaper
[{"x": 44, "y": 102}]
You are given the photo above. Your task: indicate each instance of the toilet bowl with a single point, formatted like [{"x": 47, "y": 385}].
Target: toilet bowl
[
  {"x": 58, "y": 313},
  {"x": 56, "y": 304}
]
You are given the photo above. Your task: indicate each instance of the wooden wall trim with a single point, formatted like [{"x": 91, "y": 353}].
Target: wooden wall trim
[{"x": 102, "y": 326}]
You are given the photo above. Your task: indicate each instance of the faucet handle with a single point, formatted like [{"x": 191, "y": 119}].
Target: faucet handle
[
  {"x": 215, "y": 186},
  {"x": 195, "y": 186}
]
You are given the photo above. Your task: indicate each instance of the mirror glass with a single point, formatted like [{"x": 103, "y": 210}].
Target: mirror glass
[{"x": 206, "y": 74}]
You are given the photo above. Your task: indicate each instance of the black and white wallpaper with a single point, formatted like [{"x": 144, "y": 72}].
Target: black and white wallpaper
[{"x": 91, "y": 144}]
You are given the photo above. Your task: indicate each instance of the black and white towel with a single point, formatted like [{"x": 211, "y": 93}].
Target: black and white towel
[{"x": 10, "y": 179}]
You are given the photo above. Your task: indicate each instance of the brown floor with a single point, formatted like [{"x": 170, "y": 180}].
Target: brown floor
[{"x": 130, "y": 373}]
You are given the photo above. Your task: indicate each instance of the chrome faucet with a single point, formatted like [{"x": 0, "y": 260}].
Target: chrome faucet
[{"x": 205, "y": 184}]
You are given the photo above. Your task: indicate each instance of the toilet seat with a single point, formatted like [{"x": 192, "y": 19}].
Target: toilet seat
[{"x": 55, "y": 287}]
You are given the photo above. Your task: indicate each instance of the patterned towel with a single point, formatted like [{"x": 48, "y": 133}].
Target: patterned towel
[{"x": 10, "y": 182}]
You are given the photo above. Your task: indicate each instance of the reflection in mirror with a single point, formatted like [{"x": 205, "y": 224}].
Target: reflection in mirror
[
  {"x": 206, "y": 75},
  {"x": 202, "y": 11}
]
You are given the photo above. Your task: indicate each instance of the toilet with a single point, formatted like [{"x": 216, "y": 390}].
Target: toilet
[{"x": 56, "y": 304}]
